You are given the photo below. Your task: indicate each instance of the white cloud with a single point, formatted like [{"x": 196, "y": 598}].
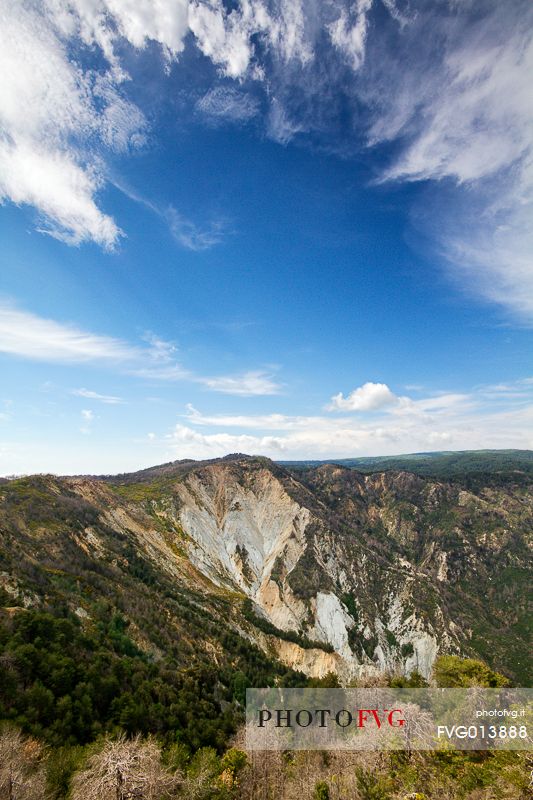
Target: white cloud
[
  {"x": 368, "y": 397},
  {"x": 108, "y": 23},
  {"x": 455, "y": 421},
  {"x": 281, "y": 128},
  {"x": 444, "y": 402},
  {"x": 48, "y": 117},
  {"x": 188, "y": 233},
  {"x": 62, "y": 191},
  {"x": 275, "y": 422},
  {"x": 101, "y": 398},
  {"x": 449, "y": 421},
  {"x": 161, "y": 351},
  {"x": 473, "y": 108},
  {"x": 349, "y": 35},
  {"x": 345, "y": 440},
  {"x": 224, "y": 103},
  {"x": 490, "y": 249},
  {"x": 222, "y": 37},
  {"x": 192, "y": 236},
  {"x": 447, "y": 84},
  {"x": 392, "y": 8},
  {"x": 254, "y": 382},
  {"x": 189, "y": 443},
  {"x": 58, "y": 119},
  {"x": 27, "y": 335},
  {"x": 286, "y": 31},
  {"x": 160, "y": 371},
  {"x": 457, "y": 97}
]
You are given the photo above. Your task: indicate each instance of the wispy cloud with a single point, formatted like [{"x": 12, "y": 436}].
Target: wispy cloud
[
  {"x": 101, "y": 398},
  {"x": 446, "y": 86},
  {"x": 276, "y": 422},
  {"x": 456, "y": 97},
  {"x": 49, "y": 112},
  {"x": 186, "y": 232},
  {"x": 372, "y": 397},
  {"x": 349, "y": 31},
  {"x": 52, "y": 155},
  {"x": 192, "y": 236},
  {"x": 30, "y": 336},
  {"x": 281, "y": 124},
  {"x": 227, "y": 104},
  {"x": 87, "y": 418},
  {"x": 248, "y": 384},
  {"x": 27, "y": 335},
  {"x": 332, "y": 439}
]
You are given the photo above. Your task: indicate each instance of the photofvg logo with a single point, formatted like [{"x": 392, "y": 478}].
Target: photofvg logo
[
  {"x": 389, "y": 719},
  {"x": 304, "y": 717}
]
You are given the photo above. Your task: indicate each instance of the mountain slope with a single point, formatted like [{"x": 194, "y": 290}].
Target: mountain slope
[{"x": 324, "y": 570}]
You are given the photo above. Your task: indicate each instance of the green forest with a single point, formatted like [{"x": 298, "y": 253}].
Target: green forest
[
  {"x": 472, "y": 468},
  {"x": 86, "y": 714}
]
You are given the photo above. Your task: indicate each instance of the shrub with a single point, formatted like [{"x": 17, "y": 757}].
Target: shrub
[{"x": 321, "y": 791}]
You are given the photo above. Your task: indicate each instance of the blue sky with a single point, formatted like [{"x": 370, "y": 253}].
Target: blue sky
[{"x": 291, "y": 228}]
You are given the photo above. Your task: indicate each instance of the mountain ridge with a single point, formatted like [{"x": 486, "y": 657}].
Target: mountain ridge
[
  {"x": 345, "y": 572},
  {"x": 431, "y": 463}
]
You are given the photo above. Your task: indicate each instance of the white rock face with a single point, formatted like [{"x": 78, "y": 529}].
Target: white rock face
[
  {"x": 250, "y": 535},
  {"x": 426, "y": 650},
  {"x": 283, "y": 609},
  {"x": 238, "y": 532},
  {"x": 331, "y": 624}
]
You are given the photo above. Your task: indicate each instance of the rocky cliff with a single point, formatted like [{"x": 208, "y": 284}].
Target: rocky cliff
[{"x": 325, "y": 569}]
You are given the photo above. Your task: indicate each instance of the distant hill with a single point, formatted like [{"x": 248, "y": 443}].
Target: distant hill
[
  {"x": 475, "y": 467},
  {"x": 487, "y": 465}
]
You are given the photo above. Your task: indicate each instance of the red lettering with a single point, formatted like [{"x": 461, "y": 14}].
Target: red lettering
[
  {"x": 363, "y": 714},
  {"x": 376, "y": 717},
  {"x": 399, "y": 722}
]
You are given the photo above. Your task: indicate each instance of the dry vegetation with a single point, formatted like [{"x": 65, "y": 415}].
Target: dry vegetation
[{"x": 139, "y": 769}]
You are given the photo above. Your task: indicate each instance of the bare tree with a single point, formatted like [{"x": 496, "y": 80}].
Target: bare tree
[
  {"x": 21, "y": 768},
  {"x": 125, "y": 769},
  {"x": 419, "y": 728}
]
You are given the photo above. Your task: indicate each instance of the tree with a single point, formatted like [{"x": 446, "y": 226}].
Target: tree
[
  {"x": 452, "y": 671},
  {"x": 231, "y": 764},
  {"x": 329, "y": 681},
  {"x": 321, "y": 791},
  {"x": 61, "y": 764},
  {"x": 21, "y": 767},
  {"x": 201, "y": 779},
  {"x": 125, "y": 769},
  {"x": 372, "y": 786}
]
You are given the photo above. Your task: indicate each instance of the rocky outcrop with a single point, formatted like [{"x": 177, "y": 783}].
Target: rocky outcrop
[{"x": 362, "y": 564}]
